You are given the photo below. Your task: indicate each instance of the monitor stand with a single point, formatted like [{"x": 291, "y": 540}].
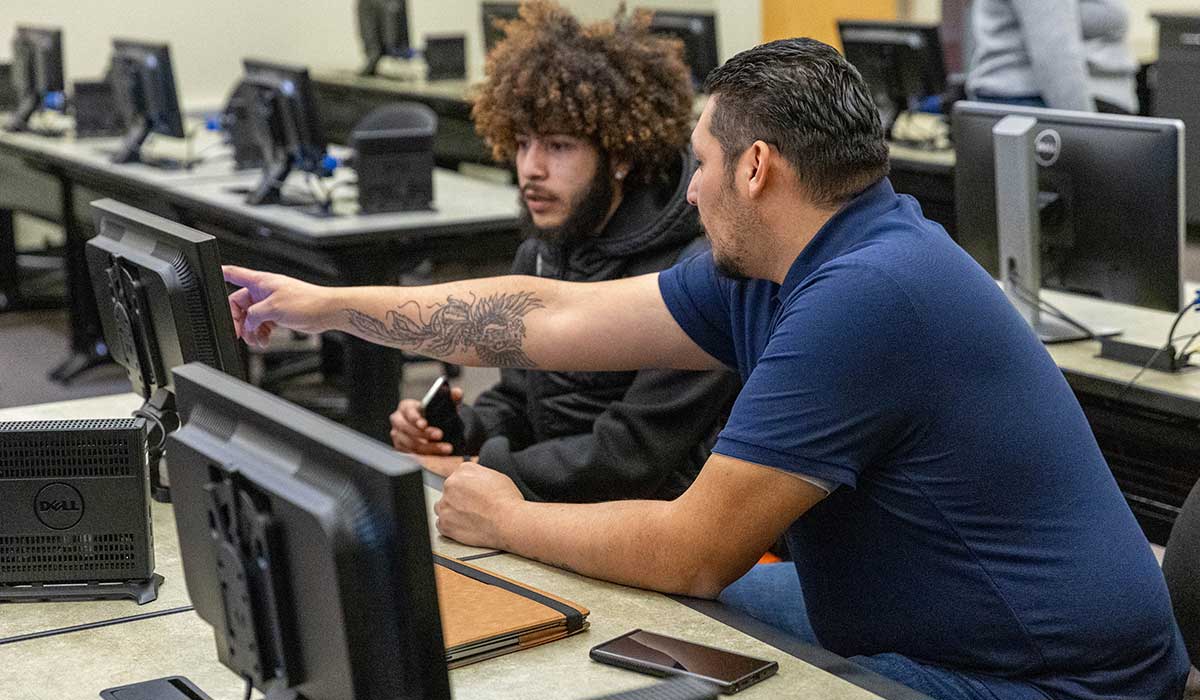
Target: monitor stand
[
  {"x": 1019, "y": 224},
  {"x": 168, "y": 688},
  {"x": 19, "y": 122},
  {"x": 130, "y": 150}
]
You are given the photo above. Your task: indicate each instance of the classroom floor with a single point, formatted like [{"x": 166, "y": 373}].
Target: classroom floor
[{"x": 34, "y": 342}]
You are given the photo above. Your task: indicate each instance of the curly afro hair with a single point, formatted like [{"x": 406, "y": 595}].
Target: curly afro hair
[{"x": 613, "y": 83}]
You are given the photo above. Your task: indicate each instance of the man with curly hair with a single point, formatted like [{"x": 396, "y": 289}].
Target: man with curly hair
[{"x": 595, "y": 120}]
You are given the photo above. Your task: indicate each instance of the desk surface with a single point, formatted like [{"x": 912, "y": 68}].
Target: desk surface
[
  {"x": 181, "y": 643},
  {"x": 461, "y": 204},
  {"x": 95, "y": 153}
]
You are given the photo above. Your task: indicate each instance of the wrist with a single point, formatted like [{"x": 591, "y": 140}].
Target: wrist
[
  {"x": 331, "y": 308},
  {"x": 505, "y": 519}
]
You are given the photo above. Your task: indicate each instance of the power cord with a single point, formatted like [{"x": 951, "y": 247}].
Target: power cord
[
  {"x": 1035, "y": 300},
  {"x": 249, "y": 688}
]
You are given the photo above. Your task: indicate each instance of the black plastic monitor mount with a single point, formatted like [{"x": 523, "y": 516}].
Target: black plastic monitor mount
[{"x": 159, "y": 411}]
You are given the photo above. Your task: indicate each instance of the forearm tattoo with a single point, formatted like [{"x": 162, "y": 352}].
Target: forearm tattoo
[{"x": 492, "y": 326}]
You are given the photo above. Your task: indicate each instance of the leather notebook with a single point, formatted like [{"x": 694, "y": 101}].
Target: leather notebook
[{"x": 486, "y": 615}]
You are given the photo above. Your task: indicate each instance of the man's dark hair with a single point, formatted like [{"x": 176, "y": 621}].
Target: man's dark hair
[{"x": 802, "y": 97}]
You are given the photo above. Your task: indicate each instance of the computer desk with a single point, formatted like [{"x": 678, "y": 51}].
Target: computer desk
[
  {"x": 473, "y": 226},
  {"x": 344, "y": 97},
  {"x": 164, "y": 638}
]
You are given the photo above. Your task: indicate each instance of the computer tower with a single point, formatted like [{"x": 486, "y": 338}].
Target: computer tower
[
  {"x": 96, "y": 112},
  {"x": 76, "y": 518},
  {"x": 393, "y": 158}
]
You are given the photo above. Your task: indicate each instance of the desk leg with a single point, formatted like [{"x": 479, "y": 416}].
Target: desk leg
[
  {"x": 10, "y": 280},
  {"x": 87, "y": 340},
  {"x": 372, "y": 376}
]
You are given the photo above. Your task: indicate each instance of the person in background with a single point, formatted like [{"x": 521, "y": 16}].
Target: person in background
[
  {"x": 1063, "y": 54},
  {"x": 595, "y": 120}
]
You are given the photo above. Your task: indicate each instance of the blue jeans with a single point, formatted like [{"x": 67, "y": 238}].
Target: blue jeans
[{"x": 771, "y": 593}]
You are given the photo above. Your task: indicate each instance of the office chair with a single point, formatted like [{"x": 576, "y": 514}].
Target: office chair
[{"x": 1181, "y": 567}]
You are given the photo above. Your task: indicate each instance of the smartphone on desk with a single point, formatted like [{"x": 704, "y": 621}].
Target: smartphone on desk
[
  {"x": 438, "y": 408},
  {"x": 659, "y": 655}
]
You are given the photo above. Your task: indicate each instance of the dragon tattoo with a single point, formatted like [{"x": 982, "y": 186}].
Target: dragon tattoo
[{"x": 492, "y": 326}]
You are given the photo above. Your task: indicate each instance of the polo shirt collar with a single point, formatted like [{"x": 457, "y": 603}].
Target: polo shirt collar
[{"x": 848, "y": 227}]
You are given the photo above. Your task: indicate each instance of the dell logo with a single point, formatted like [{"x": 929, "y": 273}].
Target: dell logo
[
  {"x": 58, "y": 506},
  {"x": 1047, "y": 147}
]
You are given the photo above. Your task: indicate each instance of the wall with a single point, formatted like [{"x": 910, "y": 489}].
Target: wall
[
  {"x": 208, "y": 39},
  {"x": 782, "y": 19}
]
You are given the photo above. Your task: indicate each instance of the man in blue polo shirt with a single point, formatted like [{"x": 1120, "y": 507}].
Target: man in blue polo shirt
[{"x": 953, "y": 523}]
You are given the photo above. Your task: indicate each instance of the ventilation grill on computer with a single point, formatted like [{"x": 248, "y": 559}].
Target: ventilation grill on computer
[
  {"x": 64, "y": 449},
  {"x": 197, "y": 312},
  {"x": 54, "y": 554}
]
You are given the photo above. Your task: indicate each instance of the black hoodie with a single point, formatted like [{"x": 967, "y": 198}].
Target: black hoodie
[{"x": 601, "y": 436}]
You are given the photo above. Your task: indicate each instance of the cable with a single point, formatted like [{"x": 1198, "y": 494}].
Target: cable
[
  {"x": 1032, "y": 299},
  {"x": 1168, "y": 344},
  {"x": 322, "y": 195},
  {"x": 94, "y": 625},
  {"x": 162, "y": 431},
  {"x": 249, "y": 688},
  {"x": 1183, "y": 352}
]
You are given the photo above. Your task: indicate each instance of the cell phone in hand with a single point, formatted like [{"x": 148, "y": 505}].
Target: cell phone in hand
[
  {"x": 659, "y": 655},
  {"x": 439, "y": 409}
]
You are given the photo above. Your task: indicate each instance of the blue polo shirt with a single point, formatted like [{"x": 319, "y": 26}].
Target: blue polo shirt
[{"x": 975, "y": 525}]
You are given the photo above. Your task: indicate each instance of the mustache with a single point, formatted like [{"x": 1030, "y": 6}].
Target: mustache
[{"x": 530, "y": 190}]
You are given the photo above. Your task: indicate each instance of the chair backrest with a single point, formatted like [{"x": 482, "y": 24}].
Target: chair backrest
[{"x": 1181, "y": 567}]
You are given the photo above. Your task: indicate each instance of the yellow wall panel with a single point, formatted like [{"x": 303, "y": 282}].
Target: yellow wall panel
[{"x": 818, "y": 18}]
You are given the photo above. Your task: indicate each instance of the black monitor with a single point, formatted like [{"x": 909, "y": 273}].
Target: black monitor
[
  {"x": 143, "y": 86},
  {"x": 901, "y": 63},
  {"x": 305, "y": 545},
  {"x": 37, "y": 72},
  {"x": 162, "y": 303},
  {"x": 383, "y": 28},
  {"x": 698, "y": 32},
  {"x": 1109, "y": 194},
  {"x": 491, "y": 13},
  {"x": 283, "y": 117},
  {"x": 446, "y": 57}
]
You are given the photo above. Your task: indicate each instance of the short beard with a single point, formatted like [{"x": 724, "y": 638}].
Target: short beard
[
  {"x": 730, "y": 268},
  {"x": 585, "y": 218},
  {"x": 741, "y": 225}
]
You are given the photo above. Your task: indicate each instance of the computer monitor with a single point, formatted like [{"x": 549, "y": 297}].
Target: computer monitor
[
  {"x": 901, "y": 63},
  {"x": 383, "y": 28},
  {"x": 698, "y": 32},
  {"x": 491, "y": 13},
  {"x": 305, "y": 545},
  {"x": 144, "y": 88},
  {"x": 37, "y": 72},
  {"x": 162, "y": 303},
  {"x": 1109, "y": 195},
  {"x": 286, "y": 125}
]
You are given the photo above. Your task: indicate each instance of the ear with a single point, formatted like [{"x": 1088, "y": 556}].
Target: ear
[
  {"x": 620, "y": 170},
  {"x": 759, "y": 162}
]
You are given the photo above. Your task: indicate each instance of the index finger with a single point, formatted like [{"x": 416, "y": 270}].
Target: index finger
[{"x": 240, "y": 276}]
